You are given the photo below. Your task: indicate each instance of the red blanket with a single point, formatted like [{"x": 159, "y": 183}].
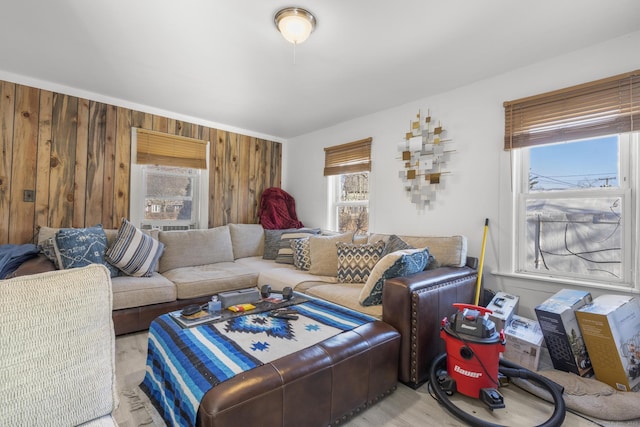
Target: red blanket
[{"x": 278, "y": 210}]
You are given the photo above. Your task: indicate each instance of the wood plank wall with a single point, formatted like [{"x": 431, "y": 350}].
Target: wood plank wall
[{"x": 75, "y": 155}]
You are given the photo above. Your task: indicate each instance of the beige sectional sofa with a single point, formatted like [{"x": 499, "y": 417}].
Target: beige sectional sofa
[{"x": 196, "y": 264}]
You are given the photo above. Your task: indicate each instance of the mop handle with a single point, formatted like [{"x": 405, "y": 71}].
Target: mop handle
[{"x": 484, "y": 243}]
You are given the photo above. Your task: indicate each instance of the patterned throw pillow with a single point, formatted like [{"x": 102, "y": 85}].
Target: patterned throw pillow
[
  {"x": 394, "y": 244},
  {"x": 396, "y": 264},
  {"x": 79, "y": 247},
  {"x": 355, "y": 262},
  {"x": 285, "y": 251},
  {"x": 301, "y": 254},
  {"x": 133, "y": 252}
]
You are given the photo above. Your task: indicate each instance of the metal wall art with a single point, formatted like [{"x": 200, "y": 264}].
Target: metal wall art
[{"x": 423, "y": 155}]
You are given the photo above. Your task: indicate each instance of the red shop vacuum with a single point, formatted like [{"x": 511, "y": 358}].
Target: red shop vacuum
[
  {"x": 473, "y": 354},
  {"x": 473, "y": 366}
]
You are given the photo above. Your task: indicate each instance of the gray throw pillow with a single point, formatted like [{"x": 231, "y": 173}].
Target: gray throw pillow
[
  {"x": 394, "y": 244},
  {"x": 272, "y": 239}
]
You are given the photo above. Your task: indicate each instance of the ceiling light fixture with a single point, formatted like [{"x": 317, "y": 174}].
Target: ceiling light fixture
[{"x": 295, "y": 24}]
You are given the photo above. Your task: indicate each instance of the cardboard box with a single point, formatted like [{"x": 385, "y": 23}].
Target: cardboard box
[
  {"x": 503, "y": 306},
  {"x": 561, "y": 331},
  {"x": 524, "y": 342},
  {"x": 611, "y": 329}
]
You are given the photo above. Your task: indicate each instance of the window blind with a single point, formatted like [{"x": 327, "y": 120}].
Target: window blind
[
  {"x": 159, "y": 148},
  {"x": 602, "y": 107},
  {"x": 351, "y": 157}
]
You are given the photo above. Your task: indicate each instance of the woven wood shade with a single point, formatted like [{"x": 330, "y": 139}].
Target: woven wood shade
[
  {"x": 601, "y": 107},
  {"x": 351, "y": 157},
  {"x": 157, "y": 148}
]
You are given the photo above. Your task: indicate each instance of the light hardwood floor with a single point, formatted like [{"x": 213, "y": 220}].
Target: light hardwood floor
[{"x": 404, "y": 407}]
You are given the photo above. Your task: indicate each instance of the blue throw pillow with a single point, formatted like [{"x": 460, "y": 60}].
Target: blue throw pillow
[
  {"x": 406, "y": 265},
  {"x": 79, "y": 247}
]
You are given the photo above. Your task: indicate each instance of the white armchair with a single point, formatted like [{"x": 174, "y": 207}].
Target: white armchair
[{"x": 57, "y": 349}]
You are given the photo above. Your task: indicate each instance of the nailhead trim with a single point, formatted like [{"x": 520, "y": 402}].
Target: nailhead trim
[{"x": 364, "y": 406}]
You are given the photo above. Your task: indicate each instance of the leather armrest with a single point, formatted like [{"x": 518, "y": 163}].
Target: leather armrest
[
  {"x": 37, "y": 264},
  {"x": 415, "y": 305}
]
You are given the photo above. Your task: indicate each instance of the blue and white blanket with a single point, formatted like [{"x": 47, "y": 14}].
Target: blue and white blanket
[{"x": 184, "y": 363}]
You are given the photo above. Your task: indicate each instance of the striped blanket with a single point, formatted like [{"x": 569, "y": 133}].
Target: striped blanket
[{"x": 184, "y": 363}]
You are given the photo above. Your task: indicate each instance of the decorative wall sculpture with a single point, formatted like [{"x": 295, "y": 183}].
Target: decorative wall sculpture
[{"x": 423, "y": 154}]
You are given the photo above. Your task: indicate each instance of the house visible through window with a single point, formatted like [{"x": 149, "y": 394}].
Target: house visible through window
[
  {"x": 169, "y": 181},
  {"x": 575, "y": 163},
  {"x": 347, "y": 167}
]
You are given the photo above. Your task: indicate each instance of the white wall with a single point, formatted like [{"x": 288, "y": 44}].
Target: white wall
[{"x": 478, "y": 186}]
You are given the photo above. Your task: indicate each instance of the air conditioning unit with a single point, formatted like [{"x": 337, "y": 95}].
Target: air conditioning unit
[{"x": 162, "y": 227}]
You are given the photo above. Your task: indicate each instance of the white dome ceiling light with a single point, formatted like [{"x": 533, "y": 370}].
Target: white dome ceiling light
[{"x": 295, "y": 24}]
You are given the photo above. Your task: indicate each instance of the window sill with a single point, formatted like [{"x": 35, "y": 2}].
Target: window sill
[{"x": 562, "y": 281}]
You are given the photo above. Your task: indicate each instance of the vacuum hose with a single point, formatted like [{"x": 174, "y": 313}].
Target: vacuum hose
[{"x": 510, "y": 370}]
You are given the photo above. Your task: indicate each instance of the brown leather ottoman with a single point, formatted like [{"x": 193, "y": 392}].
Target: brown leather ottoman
[{"x": 321, "y": 385}]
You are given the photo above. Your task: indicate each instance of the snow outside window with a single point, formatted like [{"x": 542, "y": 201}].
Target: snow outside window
[{"x": 575, "y": 215}]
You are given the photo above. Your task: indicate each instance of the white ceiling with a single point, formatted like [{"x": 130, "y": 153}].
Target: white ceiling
[{"x": 224, "y": 62}]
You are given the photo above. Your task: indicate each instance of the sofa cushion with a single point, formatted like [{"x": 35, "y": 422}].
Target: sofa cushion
[
  {"x": 247, "y": 240},
  {"x": 130, "y": 291},
  {"x": 189, "y": 248},
  {"x": 133, "y": 252},
  {"x": 204, "y": 280},
  {"x": 79, "y": 247},
  {"x": 259, "y": 264},
  {"x": 285, "y": 251},
  {"x": 355, "y": 262},
  {"x": 279, "y": 278},
  {"x": 449, "y": 251},
  {"x": 301, "y": 254},
  {"x": 344, "y": 294},
  {"x": 396, "y": 264},
  {"x": 324, "y": 253},
  {"x": 272, "y": 239}
]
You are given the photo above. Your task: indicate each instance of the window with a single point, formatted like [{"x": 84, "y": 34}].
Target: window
[
  {"x": 350, "y": 202},
  {"x": 347, "y": 167},
  {"x": 575, "y": 163},
  {"x": 572, "y": 200},
  {"x": 169, "y": 181}
]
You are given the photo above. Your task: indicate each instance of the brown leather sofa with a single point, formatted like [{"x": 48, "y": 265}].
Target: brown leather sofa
[
  {"x": 322, "y": 385},
  {"x": 415, "y": 305}
]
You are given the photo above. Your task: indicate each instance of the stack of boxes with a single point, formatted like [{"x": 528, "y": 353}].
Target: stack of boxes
[
  {"x": 561, "y": 331},
  {"x": 611, "y": 330},
  {"x": 523, "y": 336},
  {"x": 503, "y": 306},
  {"x": 524, "y": 342},
  {"x": 584, "y": 336}
]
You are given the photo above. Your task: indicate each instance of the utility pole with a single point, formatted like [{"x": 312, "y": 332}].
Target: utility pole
[{"x": 606, "y": 180}]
